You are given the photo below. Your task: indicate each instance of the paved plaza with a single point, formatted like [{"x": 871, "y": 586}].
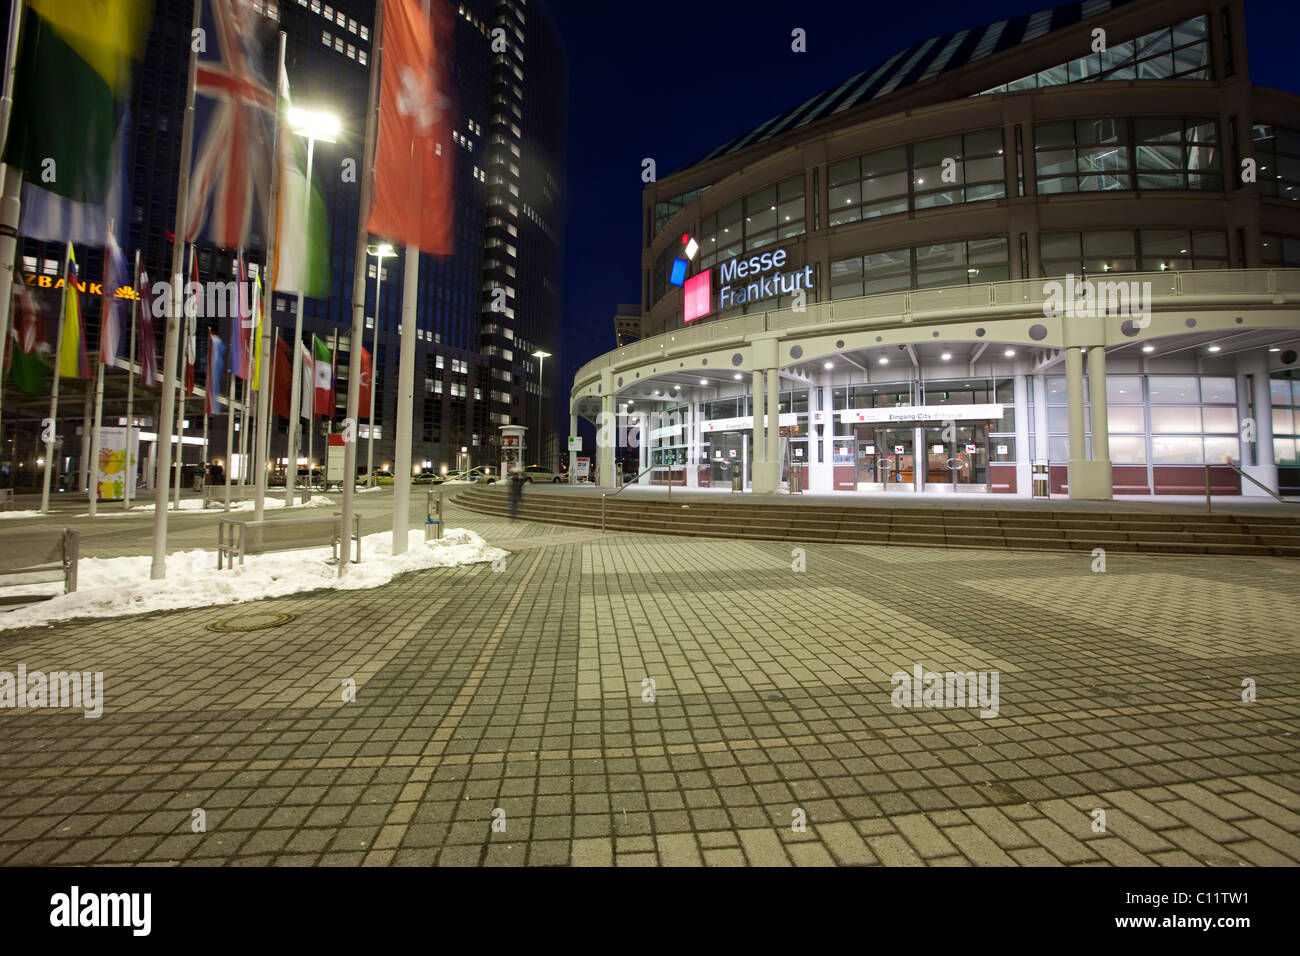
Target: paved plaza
[{"x": 637, "y": 699}]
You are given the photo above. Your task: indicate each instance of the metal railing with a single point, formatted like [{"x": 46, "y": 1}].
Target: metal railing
[
  {"x": 1209, "y": 507},
  {"x": 629, "y": 484},
  {"x": 954, "y": 303}
]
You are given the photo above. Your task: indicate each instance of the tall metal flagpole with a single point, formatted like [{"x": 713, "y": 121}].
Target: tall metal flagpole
[
  {"x": 295, "y": 394},
  {"x": 92, "y": 483},
  {"x": 374, "y": 352},
  {"x": 180, "y": 387},
  {"x": 230, "y": 422},
  {"x": 158, "y": 567},
  {"x": 51, "y": 427},
  {"x": 359, "y": 282},
  {"x": 11, "y": 180},
  {"x": 130, "y": 388},
  {"x": 262, "y": 443}
]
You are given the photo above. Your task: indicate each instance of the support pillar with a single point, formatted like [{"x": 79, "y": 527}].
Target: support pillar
[
  {"x": 1024, "y": 475},
  {"x": 1089, "y": 478},
  {"x": 1265, "y": 468},
  {"x": 573, "y": 455},
  {"x": 606, "y": 433}
]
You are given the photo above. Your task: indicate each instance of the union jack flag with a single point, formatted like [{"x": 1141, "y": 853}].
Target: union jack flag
[{"x": 234, "y": 116}]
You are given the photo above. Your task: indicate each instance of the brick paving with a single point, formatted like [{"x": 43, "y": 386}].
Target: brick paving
[{"x": 505, "y": 717}]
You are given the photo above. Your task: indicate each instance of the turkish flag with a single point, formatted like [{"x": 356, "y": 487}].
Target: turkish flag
[
  {"x": 414, "y": 158},
  {"x": 283, "y": 383},
  {"x": 367, "y": 382}
]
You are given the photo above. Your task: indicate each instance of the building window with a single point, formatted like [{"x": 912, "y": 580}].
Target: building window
[
  {"x": 1277, "y": 155},
  {"x": 1129, "y": 250},
  {"x": 1167, "y": 152},
  {"x": 936, "y": 264},
  {"x": 1178, "y": 52}
]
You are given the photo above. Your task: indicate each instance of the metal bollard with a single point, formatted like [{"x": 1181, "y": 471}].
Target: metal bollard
[{"x": 433, "y": 517}]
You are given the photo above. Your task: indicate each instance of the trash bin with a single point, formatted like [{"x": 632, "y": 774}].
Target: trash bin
[
  {"x": 737, "y": 479},
  {"x": 1041, "y": 481},
  {"x": 796, "y": 479}
]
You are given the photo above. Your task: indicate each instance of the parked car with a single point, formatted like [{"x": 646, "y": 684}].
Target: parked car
[
  {"x": 538, "y": 473},
  {"x": 382, "y": 477},
  {"x": 427, "y": 478},
  {"x": 317, "y": 478}
]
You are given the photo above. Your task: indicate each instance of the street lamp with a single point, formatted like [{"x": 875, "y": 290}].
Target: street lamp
[
  {"x": 541, "y": 364},
  {"x": 382, "y": 251},
  {"x": 313, "y": 125}
]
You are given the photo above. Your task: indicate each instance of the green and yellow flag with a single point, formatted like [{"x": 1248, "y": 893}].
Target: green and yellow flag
[
  {"x": 72, "y": 78},
  {"x": 74, "y": 362}
]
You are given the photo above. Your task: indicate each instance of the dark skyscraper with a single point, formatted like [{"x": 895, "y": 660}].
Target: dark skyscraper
[{"x": 474, "y": 369}]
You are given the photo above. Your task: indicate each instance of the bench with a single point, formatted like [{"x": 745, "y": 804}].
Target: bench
[
  {"x": 6, "y": 499},
  {"x": 238, "y": 538},
  {"x": 37, "y": 556}
]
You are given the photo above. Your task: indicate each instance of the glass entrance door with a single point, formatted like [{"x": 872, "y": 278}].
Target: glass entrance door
[
  {"x": 896, "y": 461},
  {"x": 959, "y": 463}
]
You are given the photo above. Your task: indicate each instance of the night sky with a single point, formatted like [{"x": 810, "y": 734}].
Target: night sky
[{"x": 673, "y": 81}]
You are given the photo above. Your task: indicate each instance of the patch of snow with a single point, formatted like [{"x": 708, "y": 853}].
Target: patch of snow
[
  {"x": 112, "y": 587},
  {"x": 195, "y": 506},
  {"x": 20, "y": 514}
]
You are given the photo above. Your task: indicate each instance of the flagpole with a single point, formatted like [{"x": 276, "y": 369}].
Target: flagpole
[
  {"x": 262, "y": 442},
  {"x": 130, "y": 388},
  {"x": 93, "y": 464},
  {"x": 294, "y": 396},
  {"x": 203, "y": 465},
  {"x": 374, "y": 351},
  {"x": 406, "y": 387},
  {"x": 230, "y": 433},
  {"x": 54, "y": 390},
  {"x": 359, "y": 282},
  {"x": 158, "y": 567},
  {"x": 12, "y": 182},
  {"x": 183, "y": 347}
]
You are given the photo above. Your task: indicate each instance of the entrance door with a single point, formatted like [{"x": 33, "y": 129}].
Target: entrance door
[{"x": 897, "y": 462}]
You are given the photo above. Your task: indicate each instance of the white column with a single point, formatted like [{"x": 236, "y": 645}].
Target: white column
[
  {"x": 692, "y": 425},
  {"x": 774, "y": 425},
  {"x": 1074, "y": 396},
  {"x": 756, "y": 405},
  {"x": 573, "y": 455},
  {"x": 1024, "y": 473},
  {"x": 1265, "y": 468},
  {"x": 606, "y": 431},
  {"x": 643, "y": 448}
]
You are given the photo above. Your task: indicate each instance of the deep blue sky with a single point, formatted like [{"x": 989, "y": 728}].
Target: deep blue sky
[{"x": 673, "y": 81}]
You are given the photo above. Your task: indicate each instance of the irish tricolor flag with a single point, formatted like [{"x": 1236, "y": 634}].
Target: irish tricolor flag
[{"x": 302, "y": 228}]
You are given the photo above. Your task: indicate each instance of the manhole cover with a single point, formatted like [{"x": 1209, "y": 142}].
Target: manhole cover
[{"x": 253, "y": 621}]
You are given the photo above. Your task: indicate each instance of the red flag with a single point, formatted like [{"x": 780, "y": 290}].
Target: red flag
[
  {"x": 367, "y": 381},
  {"x": 283, "y": 378},
  {"x": 414, "y": 158},
  {"x": 149, "y": 376}
]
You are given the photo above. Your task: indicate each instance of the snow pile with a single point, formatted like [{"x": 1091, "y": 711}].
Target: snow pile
[
  {"x": 20, "y": 514},
  {"x": 195, "y": 505},
  {"x": 111, "y": 587}
]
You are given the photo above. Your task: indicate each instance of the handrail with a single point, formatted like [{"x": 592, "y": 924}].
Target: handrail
[
  {"x": 1208, "y": 285},
  {"x": 604, "y": 495},
  {"x": 1253, "y": 480}
]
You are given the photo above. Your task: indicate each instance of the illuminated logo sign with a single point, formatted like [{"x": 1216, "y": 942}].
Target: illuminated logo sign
[
  {"x": 93, "y": 288},
  {"x": 761, "y": 284},
  {"x": 698, "y": 296}
]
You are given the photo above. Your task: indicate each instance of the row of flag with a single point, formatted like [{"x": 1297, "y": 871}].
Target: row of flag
[{"x": 27, "y": 364}]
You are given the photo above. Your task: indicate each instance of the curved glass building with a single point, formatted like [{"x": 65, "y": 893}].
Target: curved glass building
[{"x": 1065, "y": 245}]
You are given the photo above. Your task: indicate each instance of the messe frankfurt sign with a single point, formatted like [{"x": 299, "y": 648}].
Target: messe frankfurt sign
[{"x": 744, "y": 279}]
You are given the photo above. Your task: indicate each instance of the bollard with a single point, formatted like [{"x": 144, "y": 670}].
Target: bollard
[{"x": 433, "y": 517}]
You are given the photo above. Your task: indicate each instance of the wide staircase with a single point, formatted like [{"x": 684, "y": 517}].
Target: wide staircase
[{"x": 1020, "y": 530}]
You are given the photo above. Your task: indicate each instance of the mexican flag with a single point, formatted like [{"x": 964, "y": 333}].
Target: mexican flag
[
  {"x": 302, "y": 251},
  {"x": 324, "y": 364},
  {"x": 72, "y": 78}
]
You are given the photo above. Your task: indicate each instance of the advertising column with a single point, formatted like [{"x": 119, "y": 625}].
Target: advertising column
[{"x": 512, "y": 448}]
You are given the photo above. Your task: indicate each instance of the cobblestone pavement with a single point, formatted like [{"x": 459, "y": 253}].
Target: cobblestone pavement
[{"x": 515, "y": 697}]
